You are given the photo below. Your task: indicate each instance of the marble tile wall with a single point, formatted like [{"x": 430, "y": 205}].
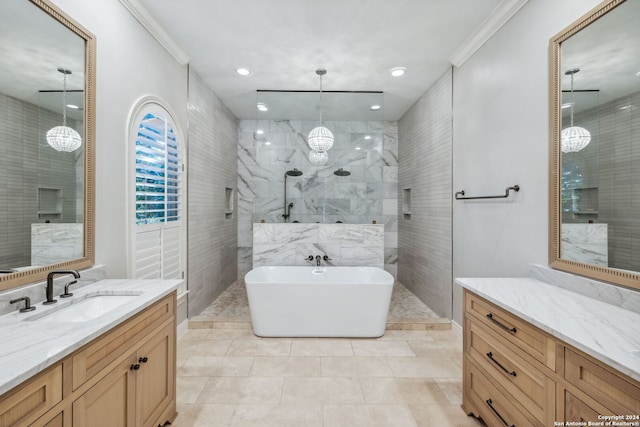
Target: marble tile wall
[
  {"x": 615, "y": 295},
  {"x": 27, "y": 163},
  {"x": 585, "y": 243},
  {"x": 51, "y": 243},
  {"x": 345, "y": 244},
  {"x": 212, "y": 232},
  {"x": 369, "y": 194},
  {"x": 425, "y": 154}
]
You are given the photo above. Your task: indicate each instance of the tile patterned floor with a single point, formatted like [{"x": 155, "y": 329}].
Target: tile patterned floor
[
  {"x": 412, "y": 376},
  {"x": 229, "y": 377},
  {"x": 231, "y": 310}
]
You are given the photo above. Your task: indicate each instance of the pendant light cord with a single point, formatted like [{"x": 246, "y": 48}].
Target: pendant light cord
[
  {"x": 64, "y": 100},
  {"x": 572, "y": 99},
  {"x": 320, "y": 99}
]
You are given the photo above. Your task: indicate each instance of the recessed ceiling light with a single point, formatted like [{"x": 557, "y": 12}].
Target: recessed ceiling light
[
  {"x": 262, "y": 106},
  {"x": 267, "y": 143},
  {"x": 259, "y": 131},
  {"x": 375, "y": 107},
  {"x": 566, "y": 105},
  {"x": 73, "y": 106},
  {"x": 398, "y": 71},
  {"x": 243, "y": 71},
  {"x": 367, "y": 137},
  {"x": 358, "y": 148}
]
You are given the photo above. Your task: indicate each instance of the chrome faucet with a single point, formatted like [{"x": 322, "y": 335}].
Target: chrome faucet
[
  {"x": 318, "y": 259},
  {"x": 49, "y": 287}
]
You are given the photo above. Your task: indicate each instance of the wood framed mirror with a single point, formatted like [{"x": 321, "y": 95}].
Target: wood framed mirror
[
  {"x": 594, "y": 197},
  {"x": 47, "y": 80}
]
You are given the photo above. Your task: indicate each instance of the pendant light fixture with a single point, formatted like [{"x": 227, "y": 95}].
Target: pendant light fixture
[
  {"x": 64, "y": 138},
  {"x": 318, "y": 158},
  {"x": 573, "y": 138},
  {"x": 320, "y": 138}
]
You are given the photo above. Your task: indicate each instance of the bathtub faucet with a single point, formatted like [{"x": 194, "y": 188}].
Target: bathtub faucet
[{"x": 317, "y": 258}]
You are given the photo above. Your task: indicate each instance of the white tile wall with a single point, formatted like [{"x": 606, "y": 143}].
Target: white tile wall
[
  {"x": 212, "y": 236},
  {"x": 425, "y": 159}
]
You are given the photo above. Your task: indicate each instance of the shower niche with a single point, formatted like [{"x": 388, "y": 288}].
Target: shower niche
[
  {"x": 228, "y": 202},
  {"x": 406, "y": 203}
]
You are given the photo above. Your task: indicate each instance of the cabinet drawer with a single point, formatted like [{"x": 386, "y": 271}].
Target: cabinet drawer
[
  {"x": 577, "y": 410},
  {"x": 35, "y": 397},
  {"x": 494, "y": 406},
  {"x": 528, "y": 385},
  {"x": 528, "y": 338},
  {"x": 620, "y": 395},
  {"x": 93, "y": 358}
]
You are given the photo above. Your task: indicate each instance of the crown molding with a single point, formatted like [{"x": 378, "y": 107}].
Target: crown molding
[
  {"x": 139, "y": 11},
  {"x": 486, "y": 30}
]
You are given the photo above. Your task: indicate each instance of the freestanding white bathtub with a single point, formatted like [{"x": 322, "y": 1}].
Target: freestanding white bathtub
[{"x": 319, "y": 301}]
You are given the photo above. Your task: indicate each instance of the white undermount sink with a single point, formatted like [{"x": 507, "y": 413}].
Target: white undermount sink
[{"x": 82, "y": 309}]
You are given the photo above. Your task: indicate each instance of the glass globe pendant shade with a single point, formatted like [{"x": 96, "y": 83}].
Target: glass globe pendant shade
[
  {"x": 64, "y": 138},
  {"x": 318, "y": 158},
  {"x": 574, "y": 139},
  {"x": 320, "y": 139}
]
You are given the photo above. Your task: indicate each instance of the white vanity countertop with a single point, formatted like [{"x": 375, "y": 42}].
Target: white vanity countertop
[
  {"x": 603, "y": 331},
  {"x": 28, "y": 347}
]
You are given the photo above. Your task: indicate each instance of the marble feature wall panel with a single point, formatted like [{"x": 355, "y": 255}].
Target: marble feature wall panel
[
  {"x": 585, "y": 243},
  {"x": 611, "y": 294},
  {"x": 51, "y": 243},
  {"x": 425, "y": 153},
  {"x": 367, "y": 149},
  {"x": 345, "y": 244},
  {"x": 212, "y": 232},
  {"x": 26, "y": 164}
]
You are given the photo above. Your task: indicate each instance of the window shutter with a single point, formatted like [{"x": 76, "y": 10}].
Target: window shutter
[
  {"x": 158, "y": 171},
  {"x": 158, "y": 232}
]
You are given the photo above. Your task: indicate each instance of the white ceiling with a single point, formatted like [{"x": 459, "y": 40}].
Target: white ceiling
[
  {"x": 607, "y": 52},
  {"x": 283, "y": 42},
  {"x": 32, "y": 47}
]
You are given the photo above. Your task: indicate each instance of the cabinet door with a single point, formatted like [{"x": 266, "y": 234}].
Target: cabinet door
[
  {"x": 576, "y": 410},
  {"x": 155, "y": 380},
  {"x": 109, "y": 403}
]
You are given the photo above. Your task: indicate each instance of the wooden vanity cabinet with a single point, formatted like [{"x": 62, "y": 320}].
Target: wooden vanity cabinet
[
  {"x": 517, "y": 374},
  {"x": 126, "y": 377},
  {"x": 137, "y": 392}
]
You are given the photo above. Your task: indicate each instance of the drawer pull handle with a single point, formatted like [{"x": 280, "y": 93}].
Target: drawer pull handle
[
  {"x": 490, "y": 403},
  {"x": 134, "y": 367},
  {"x": 503, "y": 326},
  {"x": 143, "y": 360},
  {"x": 490, "y": 356}
]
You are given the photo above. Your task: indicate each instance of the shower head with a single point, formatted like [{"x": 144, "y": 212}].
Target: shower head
[
  {"x": 294, "y": 172},
  {"x": 342, "y": 172}
]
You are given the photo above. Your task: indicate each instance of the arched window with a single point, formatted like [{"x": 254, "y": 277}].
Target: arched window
[{"x": 158, "y": 230}]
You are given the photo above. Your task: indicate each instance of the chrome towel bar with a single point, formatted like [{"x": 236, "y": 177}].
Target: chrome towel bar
[{"x": 515, "y": 188}]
